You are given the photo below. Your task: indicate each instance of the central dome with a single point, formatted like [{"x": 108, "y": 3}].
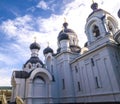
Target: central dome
[
  {"x": 66, "y": 32},
  {"x": 71, "y": 36}
]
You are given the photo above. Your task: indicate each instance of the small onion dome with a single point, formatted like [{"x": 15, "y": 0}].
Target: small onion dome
[
  {"x": 94, "y": 6},
  {"x": 63, "y": 36},
  {"x": 34, "y": 60},
  {"x": 48, "y": 50},
  {"x": 119, "y": 13},
  {"x": 35, "y": 46},
  {"x": 65, "y": 25}
]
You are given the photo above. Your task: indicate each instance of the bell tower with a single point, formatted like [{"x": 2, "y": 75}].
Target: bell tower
[{"x": 100, "y": 26}]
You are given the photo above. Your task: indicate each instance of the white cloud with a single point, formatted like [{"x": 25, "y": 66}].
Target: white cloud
[
  {"x": 7, "y": 60},
  {"x": 32, "y": 9},
  {"x": 21, "y": 28},
  {"x": 43, "y": 5}
]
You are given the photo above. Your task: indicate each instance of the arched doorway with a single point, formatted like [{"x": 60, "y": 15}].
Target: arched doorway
[
  {"x": 40, "y": 85},
  {"x": 39, "y": 90}
]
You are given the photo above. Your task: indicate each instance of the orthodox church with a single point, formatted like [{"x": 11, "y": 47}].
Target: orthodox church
[{"x": 73, "y": 74}]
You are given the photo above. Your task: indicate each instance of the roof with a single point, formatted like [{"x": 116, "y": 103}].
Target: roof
[
  {"x": 21, "y": 74},
  {"x": 48, "y": 50},
  {"x": 35, "y": 46},
  {"x": 34, "y": 60},
  {"x": 63, "y": 36}
]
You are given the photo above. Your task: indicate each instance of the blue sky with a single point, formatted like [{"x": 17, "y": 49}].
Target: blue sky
[{"x": 22, "y": 20}]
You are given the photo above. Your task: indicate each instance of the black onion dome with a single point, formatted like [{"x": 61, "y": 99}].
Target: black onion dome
[
  {"x": 66, "y": 31},
  {"x": 94, "y": 6},
  {"x": 35, "y": 46},
  {"x": 63, "y": 36},
  {"x": 65, "y": 25},
  {"x": 48, "y": 50},
  {"x": 119, "y": 13},
  {"x": 34, "y": 60}
]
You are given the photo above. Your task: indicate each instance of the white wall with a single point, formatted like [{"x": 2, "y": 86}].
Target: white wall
[{"x": 99, "y": 67}]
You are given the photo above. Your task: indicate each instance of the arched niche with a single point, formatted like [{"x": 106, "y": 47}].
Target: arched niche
[
  {"x": 43, "y": 73},
  {"x": 112, "y": 24},
  {"x": 39, "y": 86},
  {"x": 92, "y": 29}
]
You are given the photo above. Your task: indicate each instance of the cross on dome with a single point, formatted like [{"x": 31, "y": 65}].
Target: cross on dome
[
  {"x": 92, "y": 1},
  {"x": 48, "y": 44},
  {"x": 35, "y": 39}
]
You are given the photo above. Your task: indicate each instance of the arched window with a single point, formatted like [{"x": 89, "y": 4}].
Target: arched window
[
  {"x": 38, "y": 65},
  {"x": 110, "y": 26},
  {"x": 29, "y": 66},
  {"x": 96, "y": 31}
]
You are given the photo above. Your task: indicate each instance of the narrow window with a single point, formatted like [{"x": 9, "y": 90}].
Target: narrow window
[
  {"x": 76, "y": 69},
  {"x": 110, "y": 28},
  {"x": 53, "y": 78},
  {"x": 92, "y": 61},
  {"x": 38, "y": 66},
  {"x": 79, "y": 88},
  {"x": 63, "y": 83},
  {"x": 96, "y": 31},
  {"x": 97, "y": 82},
  {"x": 29, "y": 66}
]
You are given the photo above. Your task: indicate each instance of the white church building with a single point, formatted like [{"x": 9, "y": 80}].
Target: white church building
[{"x": 74, "y": 75}]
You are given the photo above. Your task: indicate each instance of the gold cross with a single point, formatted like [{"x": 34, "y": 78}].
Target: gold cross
[
  {"x": 35, "y": 38},
  {"x": 64, "y": 19},
  {"x": 48, "y": 44},
  {"x": 93, "y": 1}
]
